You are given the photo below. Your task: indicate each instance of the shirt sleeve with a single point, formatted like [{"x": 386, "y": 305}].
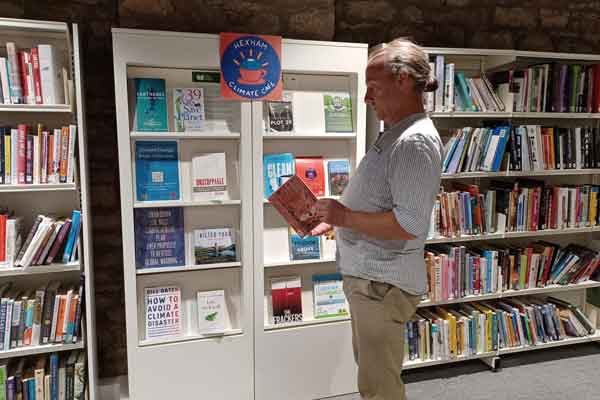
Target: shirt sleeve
[{"x": 414, "y": 176}]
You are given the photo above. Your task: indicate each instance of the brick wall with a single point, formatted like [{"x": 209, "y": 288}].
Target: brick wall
[{"x": 559, "y": 25}]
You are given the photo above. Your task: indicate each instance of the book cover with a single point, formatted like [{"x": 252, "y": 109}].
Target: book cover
[
  {"x": 163, "y": 312},
  {"x": 294, "y": 201},
  {"x": 280, "y": 114},
  {"x": 159, "y": 237},
  {"x": 328, "y": 245},
  {"x": 214, "y": 246},
  {"x": 188, "y": 109},
  {"x": 329, "y": 298},
  {"x": 209, "y": 177},
  {"x": 338, "y": 176},
  {"x": 277, "y": 168},
  {"x": 304, "y": 248},
  {"x": 338, "y": 112},
  {"x": 157, "y": 170},
  {"x": 150, "y": 105},
  {"x": 286, "y": 295},
  {"x": 212, "y": 312},
  {"x": 312, "y": 173}
]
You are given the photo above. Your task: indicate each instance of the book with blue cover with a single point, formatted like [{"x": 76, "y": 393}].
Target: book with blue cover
[
  {"x": 150, "y": 113},
  {"x": 157, "y": 170},
  {"x": 277, "y": 169},
  {"x": 338, "y": 176},
  {"x": 304, "y": 248},
  {"x": 73, "y": 235},
  {"x": 159, "y": 237},
  {"x": 329, "y": 298}
]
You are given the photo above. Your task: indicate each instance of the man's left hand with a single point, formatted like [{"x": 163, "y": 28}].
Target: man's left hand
[{"x": 332, "y": 212}]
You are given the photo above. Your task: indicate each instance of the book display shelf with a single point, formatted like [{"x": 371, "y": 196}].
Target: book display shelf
[{"x": 45, "y": 217}]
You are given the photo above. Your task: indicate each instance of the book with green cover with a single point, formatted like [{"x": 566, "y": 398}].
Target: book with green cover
[
  {"x": 338, "y": 112},
  {"x": 150, "y": 105}
]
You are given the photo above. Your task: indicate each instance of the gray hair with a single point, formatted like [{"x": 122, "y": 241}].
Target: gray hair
[{"x": 403, "y": 56}]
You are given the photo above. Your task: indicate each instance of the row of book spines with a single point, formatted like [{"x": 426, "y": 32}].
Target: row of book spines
[
  {"x": 486, "y": 155},
  {"x": 37, "y": 158},
  {"x": 534, "y": 147},
  {"x": 45, "y": 378},
  {"x": 557, "y": 88},
  {"x": 458, "y": 273},
  {"x": 527, "y": 209},
  {"x": 43, "y": 318},
  {"x": 47, "y": 241},
  {"x": 474, "y": 328},
  {"x": 32, "y": 76}
]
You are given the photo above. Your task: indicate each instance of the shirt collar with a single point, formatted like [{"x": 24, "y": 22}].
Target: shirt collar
[{"x": 399, "y": 127}]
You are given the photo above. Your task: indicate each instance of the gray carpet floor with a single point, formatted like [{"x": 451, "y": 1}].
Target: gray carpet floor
[{"x": 568, "y": 373}]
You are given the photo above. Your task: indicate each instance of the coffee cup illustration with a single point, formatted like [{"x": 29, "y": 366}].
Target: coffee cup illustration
[{"x": 251, "y": 72}]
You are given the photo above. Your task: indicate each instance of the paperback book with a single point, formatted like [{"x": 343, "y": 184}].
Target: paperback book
[
  {"x": 311, "y": 171},
  {"x": 286, "y": 295},
  {"x": 212, "y": 312},
  {"x": 213, "y": 246},
  {"x": 304, "y": 248},
  {"x": 294, "y": 201},
  {"x": 209, "y": 177},
  {"x": 150, "y": 114},
  {"x": 329, "y": 298},
  {"x": 280, "y": 114},
  {"x": 338, "y": 176},
  {"x": 157, "y": 170},
  {"x": 188, "y": 109},
  {"x": 338, "y": 112},
  {"x": 159, "y": 237},
  {"x": 277, "y": 168},
  {"x": 163, "y": 312}
]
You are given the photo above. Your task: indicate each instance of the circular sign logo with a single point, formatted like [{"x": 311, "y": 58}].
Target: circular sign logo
[{"x": 251, "y": 67}]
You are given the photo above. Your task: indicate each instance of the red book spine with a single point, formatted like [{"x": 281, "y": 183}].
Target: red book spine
[
  {"x": 3, "y": 219},
  {"x": 548, "y": 266},
  {"x": 21, "y": 153},
  {"x": 477, "y": 283},
  {"x": 528, "y": 267},
  {"x": 23, "y": 58},
  {"x": 35, "y": 60}
]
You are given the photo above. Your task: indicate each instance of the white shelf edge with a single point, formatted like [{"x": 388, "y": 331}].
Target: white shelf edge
[
  {"x": 216, "y": 203},
  {"x": 557, "y": 343},
  {"x": 310, "y": 322},
  {"x": 36, "y": 108},
  {"x": 285, "y": 263},
  {"x": 31, "y": 25},
  {"x": 39, "y": 269},
  {"x": 512, "y": 293},
  {"x": 183, "y": 135},
  {"x": 41, "y": 187},
  {"x": 300, "y": 135},
  {"x": 514, "y": 174},
  {"x": 166, "y": 270},
  {"x": 41, "y": 349},
  {"x": 509, "y": 235},
  {"x": 190, "y": 338},
  {"x": 266, "y": 201},
  {"x": 512, "y": 115},
  {"x": 429, "y": 363}
]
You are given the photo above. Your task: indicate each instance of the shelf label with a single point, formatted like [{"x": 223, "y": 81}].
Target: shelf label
[
  {"x": 203, "y": 76},
  {"x": 250, "y": 67}
]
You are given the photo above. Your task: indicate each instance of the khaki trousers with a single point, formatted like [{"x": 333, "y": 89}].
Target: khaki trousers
[{"x": 379, "y": 312}]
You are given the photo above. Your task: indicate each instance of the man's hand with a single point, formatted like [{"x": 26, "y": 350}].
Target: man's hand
[
  {"x": 321, "y": 229},
  {"x": 331, "y": 212}
]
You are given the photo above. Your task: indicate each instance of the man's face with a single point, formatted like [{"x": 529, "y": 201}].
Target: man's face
[{"x": 384, "y": 92}]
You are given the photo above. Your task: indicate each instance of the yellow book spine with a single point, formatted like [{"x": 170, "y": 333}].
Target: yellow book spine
[
  {"x": 488, "y": 331},
  {"x": 7, "y": 155},
  {"x": 593, "y": 207}
]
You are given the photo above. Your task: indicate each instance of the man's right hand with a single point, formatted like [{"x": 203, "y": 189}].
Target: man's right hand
[{"x": 321, "y": 229}]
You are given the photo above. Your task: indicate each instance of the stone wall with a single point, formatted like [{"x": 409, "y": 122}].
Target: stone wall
[{"x": 559, "y": 25}]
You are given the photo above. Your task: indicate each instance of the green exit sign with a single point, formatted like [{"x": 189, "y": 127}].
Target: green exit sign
[{"x": 202, "y": 76}]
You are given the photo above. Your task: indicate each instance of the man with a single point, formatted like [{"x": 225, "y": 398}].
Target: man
[{"x": 382, "y": 220}]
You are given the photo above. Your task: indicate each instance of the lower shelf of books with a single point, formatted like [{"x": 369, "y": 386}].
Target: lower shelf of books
[
  {"x": 42, "y": 349},
  {"x": 413, "y": 364},
  {"x": 212, "y": 336},
  {"x": 512, "y": 235},
  {"x": 147, "y": 271},
  {"x": 564, "y": 342},
  {"x": 308, "y": 322}
]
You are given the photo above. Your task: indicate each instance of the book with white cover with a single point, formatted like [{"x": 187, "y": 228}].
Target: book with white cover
[
  {"x": 213, "y": 316},
  {"x": 51, "y": 75},
  {"x": 162, "y": 312},
  {"x": 209, "y": 177},
  {"x": 188, "y": 109}
]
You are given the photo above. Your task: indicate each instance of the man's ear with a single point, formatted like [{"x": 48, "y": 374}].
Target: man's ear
[{"x": 401, "y": 79}]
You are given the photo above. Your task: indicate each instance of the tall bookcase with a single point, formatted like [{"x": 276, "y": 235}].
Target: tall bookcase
[
  {"x": 29, "y": 200},
  {"x": 191, "y": 363}
]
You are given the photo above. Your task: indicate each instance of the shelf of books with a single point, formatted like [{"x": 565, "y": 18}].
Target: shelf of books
[
  {"x": 316, "y": 134},
  {"x": 185, "y": 162},
  {"x": 46, "y": 275},
  {"x": 512, "y": 232}
]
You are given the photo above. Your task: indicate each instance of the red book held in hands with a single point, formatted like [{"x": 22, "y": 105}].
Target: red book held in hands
[{"x": 294, "y": 201}]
